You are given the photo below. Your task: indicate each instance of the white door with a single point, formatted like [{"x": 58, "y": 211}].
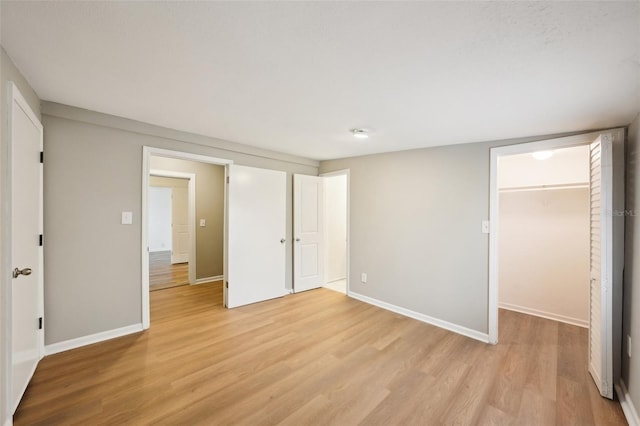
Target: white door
[
  {"x": 256, "y": 235},
  {"x": 308, "y": 232},
  {"x": 180, "y": 225},
  {"x": 600, "y": 312},
  {"x": 27, "y": 337}
]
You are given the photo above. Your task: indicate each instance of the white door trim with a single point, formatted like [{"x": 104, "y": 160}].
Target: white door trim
[
  {"x": 147, "y": 153},
  {"x": 566, "y": 142},
  {"x": 14, "y": 95},
  {"x": 347, "y": 173},
  {"x": 191, "y": 177}
]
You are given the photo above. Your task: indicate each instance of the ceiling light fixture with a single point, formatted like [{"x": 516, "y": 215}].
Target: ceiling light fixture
[
  {"x": 360, "y": 133},
  {"x": 542, "y": 155}
]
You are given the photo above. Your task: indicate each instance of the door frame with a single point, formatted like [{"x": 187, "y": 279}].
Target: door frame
[
  {"x": 147, "y": 153},
  {"x": 347, "y": 173},
  {"x": 15, "y": 96},
  {"x": 524, "y": 148},
  {"x": 191, "y": 213}
]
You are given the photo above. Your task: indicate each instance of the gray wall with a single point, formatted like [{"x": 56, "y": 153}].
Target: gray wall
[
  {"x": 93, "y": 171},
  {"x": 209, "y": 206},
  {"x": 8, "y": 72},
  {"x": 415, "y": 230},
  {"x": 631, "y": 309}
]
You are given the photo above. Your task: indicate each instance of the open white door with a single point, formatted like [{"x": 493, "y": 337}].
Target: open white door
[
  {"x": 180, "y": 235},
  {"x": 27, "y": 337},
  {"x": 308, "y": 232},
  {"x": 601, "y": 301},
  {"x": 256, "y": 235}
]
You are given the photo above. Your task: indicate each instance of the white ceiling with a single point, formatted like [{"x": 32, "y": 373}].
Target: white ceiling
[{"x": 296, "y": 76}]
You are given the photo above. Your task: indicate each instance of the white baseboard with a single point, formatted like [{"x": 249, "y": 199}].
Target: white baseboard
[
  {"x": 333, "y": 280},
  {"x": 208, "y": 279},
  {"x": 543, "y": 314},
  {"x": 628, "y": 408},
  {"x": 91, "y": 339},
  {"x": 474, "y": 334}
]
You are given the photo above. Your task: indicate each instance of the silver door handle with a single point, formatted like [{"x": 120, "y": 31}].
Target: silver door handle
[
  {"x": 17, "y": 272},
  {"x": 298, "y": 240},
  {"x": 282, "y": 240}
]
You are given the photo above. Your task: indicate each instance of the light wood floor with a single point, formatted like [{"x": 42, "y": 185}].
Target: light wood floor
[
  {"x": 162, "y": 274},
  {"x": 316, "y": 358}
]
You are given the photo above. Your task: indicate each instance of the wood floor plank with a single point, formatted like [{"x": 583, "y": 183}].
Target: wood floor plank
[{"x": 316, "y": 358}]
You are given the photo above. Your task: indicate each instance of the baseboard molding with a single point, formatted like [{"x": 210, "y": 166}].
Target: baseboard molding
[
  {"x": 208, "y": 279},
  {"x": 91, "y": 339},
  {"x": 628, "y": 408},
  {"x": 543, "y": 314},
  {"x": 483, "y": 337},
  {"x": 336, "y": 279}
]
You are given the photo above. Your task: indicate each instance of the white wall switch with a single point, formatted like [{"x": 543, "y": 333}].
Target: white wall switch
[
  {"x": 485, "y": 227},
  {"x": 127, "y": 218},
  {"x": 203, "y": 223},
  {"x": 629, "y": 345},
  {"x": 363, "y": 277}
]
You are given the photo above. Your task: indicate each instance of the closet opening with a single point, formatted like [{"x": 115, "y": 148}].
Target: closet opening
[
  {"x": 336, "y": 236},
  {"x": 543, "y": 235},
  {"x": 556, "y": 246}
]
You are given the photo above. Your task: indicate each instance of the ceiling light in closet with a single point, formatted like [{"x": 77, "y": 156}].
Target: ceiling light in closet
[{"x": 542, "y": 155}]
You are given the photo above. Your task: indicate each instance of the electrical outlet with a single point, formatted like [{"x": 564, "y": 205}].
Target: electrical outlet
[
  {"x": 363, "y": 277},
  {"x": 629, "y": 345}
]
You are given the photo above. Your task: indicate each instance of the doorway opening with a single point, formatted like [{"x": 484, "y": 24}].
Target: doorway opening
[
  {"x": 189, "y": 191},
  {"x": 544, "y": 234},
  {"x": 321, "y": 232},
  {"x": 335, "y": 208},
  {"x": 606, "y": 243},
  {"x": 171, "y": 230}
]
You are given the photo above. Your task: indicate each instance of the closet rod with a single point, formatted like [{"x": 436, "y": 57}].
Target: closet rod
[{"x": 544, "y": 187}]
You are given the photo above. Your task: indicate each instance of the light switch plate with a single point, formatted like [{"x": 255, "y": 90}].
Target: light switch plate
[
  {"x": 363, "y": 277},
  {"x": 127, "y": 218},
  {"x": 203, "y": 222},
  {"x": 485, "y": 227}
]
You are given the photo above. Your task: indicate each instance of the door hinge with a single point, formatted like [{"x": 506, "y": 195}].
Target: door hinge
[
  {"x": 227, "y": 179},
  {"x": 227, "y": 284},
  {"x": 41, "y": 156},
  {"x": 40, "y": 238},
  {"x": 40, "y": 323}
]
